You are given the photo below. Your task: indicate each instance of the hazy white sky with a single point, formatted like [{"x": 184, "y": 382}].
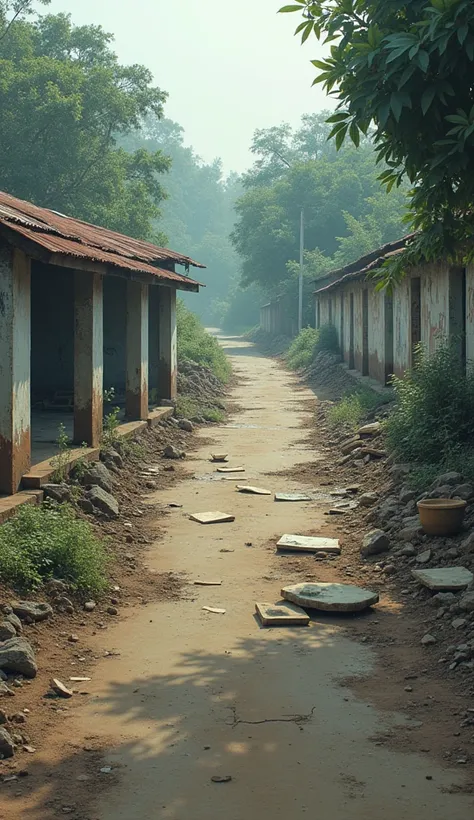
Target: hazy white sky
[{"x": 228, "y": 67}]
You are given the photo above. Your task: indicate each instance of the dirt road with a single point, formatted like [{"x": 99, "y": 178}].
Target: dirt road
[{"x": 195, "y": 694}]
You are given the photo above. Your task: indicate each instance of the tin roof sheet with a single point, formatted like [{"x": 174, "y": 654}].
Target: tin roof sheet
[{"x": 62, "y": 234}]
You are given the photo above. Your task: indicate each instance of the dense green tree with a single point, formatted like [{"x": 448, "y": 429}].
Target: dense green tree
[
  {"x": 65, "y": 100},
  {"x": 405, "y": 69}
]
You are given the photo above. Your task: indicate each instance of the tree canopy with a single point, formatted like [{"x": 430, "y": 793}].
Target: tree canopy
[
  {"x": 404, "y": 69},
  {"x": 346, "y": 213},
  {"x": 65, "y": 100}
]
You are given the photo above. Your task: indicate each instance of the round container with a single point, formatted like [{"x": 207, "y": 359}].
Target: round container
[{"x": 441, "y": 516}]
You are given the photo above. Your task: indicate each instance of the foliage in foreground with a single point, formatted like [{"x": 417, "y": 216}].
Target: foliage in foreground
[
  {"x": 48, "y": 541},
  {"x": 187, "y": 407},
  {"x": 432, "y": 423},
  {"x": 405, "y": 69},
  {"x": 197, "y": 345}
]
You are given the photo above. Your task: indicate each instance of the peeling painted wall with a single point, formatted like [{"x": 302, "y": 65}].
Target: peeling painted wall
[
  {"x": 401, "y": 327},
  {"x": 434, "y": 304},
  {"x": 377, "y": 335},
  {"x": 358, "y": 346}
]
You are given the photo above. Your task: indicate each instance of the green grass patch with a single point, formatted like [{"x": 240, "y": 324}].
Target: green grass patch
[
  {"x": 309, "y": 343},
  {"x": 48, "y": 541},
  {"x": 301, "y": 350},
  {"x": 187, "y": 407},
  {"x": 352, "y": 409},
  {"x": 197, "y": 345}
]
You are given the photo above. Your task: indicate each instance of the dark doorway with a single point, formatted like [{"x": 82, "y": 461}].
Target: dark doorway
[
  {"x": 365, "y": 332},
  {"x": 351, "y": 332},
  {"x": 415, "y": 314},
  {"x": 388, "y": 352},
  {"x": 457, "y": 311}
]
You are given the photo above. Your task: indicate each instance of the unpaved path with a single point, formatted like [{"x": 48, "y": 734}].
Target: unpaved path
[{"x": 195, "y": 694}]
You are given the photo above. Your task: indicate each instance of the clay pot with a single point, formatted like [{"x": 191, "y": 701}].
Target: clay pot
[{"x": 441, "y": 516}]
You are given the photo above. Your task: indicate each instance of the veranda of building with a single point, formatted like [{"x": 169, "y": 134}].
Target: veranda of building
[{"x": 82, "y": 309}]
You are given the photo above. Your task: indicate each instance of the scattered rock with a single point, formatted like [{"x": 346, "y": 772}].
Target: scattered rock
[
  {"x": 112, "y": 610},
  {"x": 464, "y": 491},
  {"x": 459, "y": 623},
  {"x": 86, "y": 506},
  {"x": 64, "y": 604},
  {"x": 110, "y": 454},
  {"x": 5, "y": 691},
  {"x": 389, "y": 569},
  {"x": 97, "y": 475},
  {"x": 406, "y": 495},
  {"x": 444, "y": 599},
  {"x": 185, "y": 424},
  {"x": 217, "y": 778},
  {"x": 452, "y": 478},
  {"x": 3, "y": 717},
  {"x": 16, "y": 655},
  {"x": 104, "y": 502},
  {"x": 73, "y": 638},
  {"x": 374, "y": 543},
  {"x": 7, "y": 747},
  {"x": 424, "y": 557},
  {"x": 13, "y": 619},
  {"x": 89, "y": 606},
  {"x": 171, "y": 451},
  {"x": 58, "y": 492},
  {"x": 408, "y": 551},
  {"x": 428, "y": 640},
  {"x": 57, "y": 587},
  {"x": 409, "y": 533},
  {"x": 372, "y": 429},
  {"x": 7, "y": 631},
  {"x": 32, "y": 610},
  {"x": 440, "y": 579},
  {"x": 350, "y": 445},
  {"x": 468, "y": 543},
  {"x": 60, "y": 689},
  {"x": 368, "y": 499},
  {"x": 466, "y": 602}
]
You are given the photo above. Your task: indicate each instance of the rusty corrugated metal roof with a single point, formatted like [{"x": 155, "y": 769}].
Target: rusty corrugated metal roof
[
  {"x": 365, "y": 265},
  {"x": 62, "y": 234}
]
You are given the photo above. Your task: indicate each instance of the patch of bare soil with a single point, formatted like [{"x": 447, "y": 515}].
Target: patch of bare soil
[
  {"x": 62, "y": 643},
  {"x": 408, "y": 677}
]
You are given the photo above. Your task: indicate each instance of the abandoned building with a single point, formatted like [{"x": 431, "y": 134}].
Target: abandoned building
[
  {"x": 378, "y": 331},
  {"x": 82, "y": 309}
]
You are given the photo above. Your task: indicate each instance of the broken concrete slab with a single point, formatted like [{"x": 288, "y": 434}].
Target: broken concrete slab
[
  {"x": 211, "y": 517},
  {"x": 330, "y": 597},
  {"x": 283, "y": 613},
  {"x": 231, "y": 469},
  {"x": 444, "y": 579},
  {"x": 309, "y": 543},
  {"x": 247, "y": 488},
  {"x": 292, "y": 497}
]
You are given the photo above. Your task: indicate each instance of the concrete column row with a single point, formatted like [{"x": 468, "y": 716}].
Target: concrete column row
[{"x": 15, "y": 356}]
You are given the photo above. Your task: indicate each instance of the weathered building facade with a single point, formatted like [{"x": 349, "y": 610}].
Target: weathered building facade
[
  {"x": 82, "y": 308},
  {"x": 378, "y": 331}
]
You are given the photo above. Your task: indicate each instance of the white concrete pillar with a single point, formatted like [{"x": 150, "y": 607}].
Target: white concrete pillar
[
  {"x": 15, "y": 355},
  {"x": 136, "y": 392},
  {"x": 168, "y": 366},
  {"x": 88, "y": 357}
]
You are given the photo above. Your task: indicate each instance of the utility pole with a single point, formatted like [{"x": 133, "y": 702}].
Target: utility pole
[{"x": 300, "y": 283}]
